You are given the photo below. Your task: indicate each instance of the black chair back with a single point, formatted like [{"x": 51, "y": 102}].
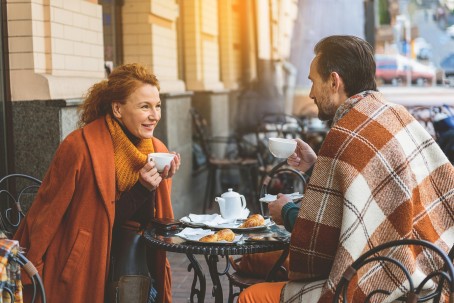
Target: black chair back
[
  {"x": 17, "y": 192},
  {"x": 443, "y": 276},
  {"x": 229, "y": 157},
  {"x": 282, "y": 179}
]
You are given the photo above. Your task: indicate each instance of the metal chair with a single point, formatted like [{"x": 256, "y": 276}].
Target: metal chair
[
  {"x": 12, "y": 266},
  {"x": 32, "y": 272},
  {"x": 233, "y": 159},
  {"x": 443, "y": 276},
  {"x": 242, "y": 281},
  {"x": 17, "y": 192},
  {"x": 282, "y": 179}
]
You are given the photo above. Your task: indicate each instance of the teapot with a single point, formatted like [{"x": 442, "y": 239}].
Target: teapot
[{"x": 231, "y": 204}]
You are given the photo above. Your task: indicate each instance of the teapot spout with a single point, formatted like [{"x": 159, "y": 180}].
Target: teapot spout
[{"x": 221, "y": 202}]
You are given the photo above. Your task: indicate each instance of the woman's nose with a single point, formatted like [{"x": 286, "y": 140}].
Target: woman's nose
[{"x": 153, "y": 115}]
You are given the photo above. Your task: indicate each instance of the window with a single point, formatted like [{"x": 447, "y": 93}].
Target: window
[{"x": 111, "y": 20}]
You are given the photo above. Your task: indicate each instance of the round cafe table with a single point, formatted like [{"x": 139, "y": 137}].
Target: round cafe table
[{"x": 169, "y": 242}]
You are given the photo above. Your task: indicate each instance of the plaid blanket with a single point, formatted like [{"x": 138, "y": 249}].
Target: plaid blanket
[
  {"x": 9, "y": 272},
  {"x": 379, "y": 177}
]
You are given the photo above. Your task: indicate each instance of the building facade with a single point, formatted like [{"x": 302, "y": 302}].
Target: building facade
[{"x": 202, "y": 51}]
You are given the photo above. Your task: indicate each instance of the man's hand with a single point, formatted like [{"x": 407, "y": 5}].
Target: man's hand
[
  {"x": 275, "y": 208},
  {"x": 304, "y": 156},
  {"x": 149, "y": 176}
]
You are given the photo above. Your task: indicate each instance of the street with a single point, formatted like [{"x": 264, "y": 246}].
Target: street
[{"x": 412, "y": 96}]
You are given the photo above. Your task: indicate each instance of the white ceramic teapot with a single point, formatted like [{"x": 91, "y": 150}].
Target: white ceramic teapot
[{"x": 231, "y": 204}]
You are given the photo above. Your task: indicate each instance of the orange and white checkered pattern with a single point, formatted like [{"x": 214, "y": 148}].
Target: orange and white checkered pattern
[
  {"x": 9, "y": 272},
  {"x": 379, "y": 177}
]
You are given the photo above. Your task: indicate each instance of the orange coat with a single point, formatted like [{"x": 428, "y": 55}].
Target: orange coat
[{"x": 67, "y": 233}]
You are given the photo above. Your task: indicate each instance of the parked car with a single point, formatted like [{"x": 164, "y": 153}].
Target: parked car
[
  {"x": 447, "y": 64},
  {"x": 394, "y": 69},
  {"x": 386, "y": 71},
  {"x": 421, "y": 74}
]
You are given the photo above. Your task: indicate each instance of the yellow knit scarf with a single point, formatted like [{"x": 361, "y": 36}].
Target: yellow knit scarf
[{"x": 129, "y": 158}]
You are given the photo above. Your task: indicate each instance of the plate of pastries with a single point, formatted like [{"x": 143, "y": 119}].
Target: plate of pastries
[
  {"x": 253, "y": 222},
  {"x": 223, "y": 236}
]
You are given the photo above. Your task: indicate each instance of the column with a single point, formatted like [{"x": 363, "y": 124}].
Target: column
[{"x": 150, "y": 37}]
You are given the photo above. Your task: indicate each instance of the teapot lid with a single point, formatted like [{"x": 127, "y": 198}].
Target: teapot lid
[{"x": 230, "y": 194}]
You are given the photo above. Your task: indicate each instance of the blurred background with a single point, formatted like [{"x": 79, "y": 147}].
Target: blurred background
[{"x": 223, "y": 65}]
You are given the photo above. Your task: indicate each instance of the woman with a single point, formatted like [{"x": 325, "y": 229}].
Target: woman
[{"x": 100, "y": 178}]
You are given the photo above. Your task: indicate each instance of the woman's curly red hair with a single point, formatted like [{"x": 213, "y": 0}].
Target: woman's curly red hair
[{"x": 121, "y": 83}]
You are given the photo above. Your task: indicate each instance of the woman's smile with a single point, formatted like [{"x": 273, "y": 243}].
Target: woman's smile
[{"x": 141, "y": 112}]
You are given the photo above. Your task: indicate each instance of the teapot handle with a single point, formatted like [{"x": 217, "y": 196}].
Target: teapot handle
[{"x": 243, "y": 202}]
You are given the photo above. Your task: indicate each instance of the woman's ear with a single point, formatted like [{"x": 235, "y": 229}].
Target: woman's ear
[{"x": 116, "y": 109}]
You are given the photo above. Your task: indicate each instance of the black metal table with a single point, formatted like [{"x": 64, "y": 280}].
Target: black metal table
[{"x": 211, "y": 251}]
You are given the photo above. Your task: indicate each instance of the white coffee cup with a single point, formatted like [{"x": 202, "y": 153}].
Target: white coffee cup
[
  {"x": 281, "y": 147},
  {"x": 161, "y": 160}
]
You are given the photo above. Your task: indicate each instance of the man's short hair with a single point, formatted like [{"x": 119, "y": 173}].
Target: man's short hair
[{"x": 349, "y": 56}]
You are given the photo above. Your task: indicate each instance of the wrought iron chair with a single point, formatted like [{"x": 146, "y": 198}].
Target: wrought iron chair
[
  {"x": 247, "y": 166},
  {"x": 17, "y": 192},
  {"x": 32, "y": 272},
  {"x": 282, "y": 179},
  {"x": 444, "y": 276},
  {"x": 240, "y": 280}
]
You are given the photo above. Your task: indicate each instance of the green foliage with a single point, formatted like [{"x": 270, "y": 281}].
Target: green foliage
[{"x": 383, "y": 12}]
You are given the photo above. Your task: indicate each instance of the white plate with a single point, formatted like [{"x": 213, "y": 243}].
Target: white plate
[
  {"x": 196, "y": 238},
  {"x": 236, "y": 226},
  {"x": 186, "y": 221},
  {"x": 270, "y": 198}
]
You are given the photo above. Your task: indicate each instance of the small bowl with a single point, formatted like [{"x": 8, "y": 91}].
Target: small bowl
[{"x": 281, "y": 147}]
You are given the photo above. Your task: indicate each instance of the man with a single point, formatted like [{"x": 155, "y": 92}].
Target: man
[{"x": 379, "y": 176}]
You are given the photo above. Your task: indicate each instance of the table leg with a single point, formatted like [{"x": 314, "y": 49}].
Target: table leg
[
  {"x": 198, "y": 275},
  {"x": 212, "y": 261}
]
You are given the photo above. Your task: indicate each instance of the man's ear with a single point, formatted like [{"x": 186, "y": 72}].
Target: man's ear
[
  {"x": 116, "y": 109},
  {"x": 336, "y": 81}
]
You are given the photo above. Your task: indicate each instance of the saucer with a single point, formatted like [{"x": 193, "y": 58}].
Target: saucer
[{"x": 270, "y": 198}]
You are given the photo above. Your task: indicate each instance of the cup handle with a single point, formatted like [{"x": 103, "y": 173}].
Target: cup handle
[{"x": 243, "y": 201}]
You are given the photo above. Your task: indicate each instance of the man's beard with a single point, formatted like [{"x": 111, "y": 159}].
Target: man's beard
[{"x": 326, "y": 112}]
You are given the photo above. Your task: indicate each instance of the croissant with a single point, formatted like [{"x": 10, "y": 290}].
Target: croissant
[
  {"x": 253, "y": 221},
  {"x": 209, "y": 238},
  {"x": 222, "y": 235},
  {"x": 226, "y": 235}
]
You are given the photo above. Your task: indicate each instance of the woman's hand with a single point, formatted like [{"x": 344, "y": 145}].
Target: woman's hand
[
  {"x": 275, "y": 208},
  {"x": 304, "y": 156},
  {"x": 149, "y": 176},
  {"x": 168, "y": 172}
]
